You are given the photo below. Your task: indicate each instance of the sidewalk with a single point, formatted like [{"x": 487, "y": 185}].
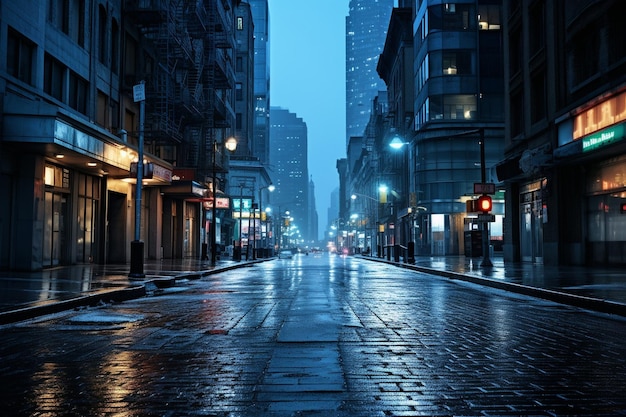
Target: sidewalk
[
  {"x": 600, "y": 289},
  {"x": 25, "y": 295}
]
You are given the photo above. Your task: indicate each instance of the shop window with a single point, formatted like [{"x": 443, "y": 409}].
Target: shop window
[{"x": 56, "y": 177}]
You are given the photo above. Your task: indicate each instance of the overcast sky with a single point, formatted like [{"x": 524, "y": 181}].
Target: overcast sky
[{"x": 307, "y": 70}]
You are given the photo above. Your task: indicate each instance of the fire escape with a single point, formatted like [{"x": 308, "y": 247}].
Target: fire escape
[{"x": 189, "y": 87}]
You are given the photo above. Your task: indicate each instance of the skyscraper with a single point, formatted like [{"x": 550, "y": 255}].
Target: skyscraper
[
  {"x": 260, "y": 142},
  {"x": 288, "y": 138},
  {"x": 366, "y": 30}
]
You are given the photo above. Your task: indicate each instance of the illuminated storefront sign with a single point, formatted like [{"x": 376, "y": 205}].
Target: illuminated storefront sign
[
  {"x": 600, "y": 116},
  {"x": 603, "y": 137}
]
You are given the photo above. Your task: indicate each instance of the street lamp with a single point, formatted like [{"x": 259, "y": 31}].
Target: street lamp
[
  {"x": 382, "y": 198},
  {"x": 231, "y": 145},
  {"x": 396, "y": 144},
  {"x": 270, "y": 188}
]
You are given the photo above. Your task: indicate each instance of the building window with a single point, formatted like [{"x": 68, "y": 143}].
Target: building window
[
  {"x": 130, "y": 60},
  {"x": 616, "y": 34},
  {"x": 455, "y": 62},
  {"x": 115, "y": 115},
  {"x": 101, "y": 110},
  {"x": 78, "y": 93},
  {"x": 78, "y": 33},
  {"x": 239, "y": 64},
  {"x": 102, "y": 35},
  {"x": 517, "y": 113},
  {"x": 450, "y": 16},
  {"x": 54, "y": 77},
  {"x": 584, "y": 60},
  {"x": 515, "y": 52},
  {"x": 453, "y": 107},
  {"x": 115, "y": 46},
  {"x": 238, "y": 121},
  {"x": 538, "y": 98},
  {"x": 239, "y": 23},
  {"x": 20, "y": 57},
  {"x": 238, "y": 92},
  {"x": 59, "y": 15},
  {"x": 537, "y": 25},
  {"x": 489, "y": 17}
]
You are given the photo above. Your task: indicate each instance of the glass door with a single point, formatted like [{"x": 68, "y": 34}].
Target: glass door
[{"x": 54, "y": 228}]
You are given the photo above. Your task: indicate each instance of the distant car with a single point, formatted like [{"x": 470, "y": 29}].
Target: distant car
[{"x": 285, "y": 254}]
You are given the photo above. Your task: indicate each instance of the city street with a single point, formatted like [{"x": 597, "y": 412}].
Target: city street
[{"x": 317, "y": 335}]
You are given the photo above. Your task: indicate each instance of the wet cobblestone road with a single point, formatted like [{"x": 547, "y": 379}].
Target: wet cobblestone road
[{"x": 317, "y": 336}]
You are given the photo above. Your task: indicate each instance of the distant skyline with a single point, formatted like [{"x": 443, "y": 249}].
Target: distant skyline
[{"x": 307, "y": 77}]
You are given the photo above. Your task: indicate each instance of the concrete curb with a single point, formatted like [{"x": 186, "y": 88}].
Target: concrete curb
[
  {"x": 114, "y": 295},
  {"x": 588, "y": 303}
]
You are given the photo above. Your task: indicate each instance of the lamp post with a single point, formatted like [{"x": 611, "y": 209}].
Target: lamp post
[
  {"x": 397, "y": 143},
  {"x": 231, "y": 145},
  {"x": 270, "y": 188},
  {"x": 381, "y": 189}
]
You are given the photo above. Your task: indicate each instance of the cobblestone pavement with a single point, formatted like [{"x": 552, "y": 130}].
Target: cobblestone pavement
[{"x": 317, "y": 336}]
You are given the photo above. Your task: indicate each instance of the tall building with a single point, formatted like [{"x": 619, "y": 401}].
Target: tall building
[
  {"x": 366, "y": 28},
  {"x": 244, "y": 87},
  {"x": 565, "y": 166},
  {"x": 458, "y": 106},
  {"x": 289, "y": 157},
  {"x": 313, "y": 225},
  {"x": 260, "y": 142},
  {"x": 73, "y": 81}
]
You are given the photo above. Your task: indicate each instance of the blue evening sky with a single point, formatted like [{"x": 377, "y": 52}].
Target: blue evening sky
[{"x": 307, "y": 77}]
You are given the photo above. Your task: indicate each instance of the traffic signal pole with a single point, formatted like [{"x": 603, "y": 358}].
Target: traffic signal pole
[{"x": 486, "y": 262}]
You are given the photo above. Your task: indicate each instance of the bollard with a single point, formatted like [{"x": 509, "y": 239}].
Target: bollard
[
  {"x": 411, "y": 252},
  {"x": 136, "y": 259}
]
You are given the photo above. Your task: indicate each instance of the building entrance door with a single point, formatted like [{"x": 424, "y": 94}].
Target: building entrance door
[
  {"x": 54, "y": 228},
  {"x": 531, "y": 234}
]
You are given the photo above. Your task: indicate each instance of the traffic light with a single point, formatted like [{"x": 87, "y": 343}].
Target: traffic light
[{"x": 484, "y": 203}]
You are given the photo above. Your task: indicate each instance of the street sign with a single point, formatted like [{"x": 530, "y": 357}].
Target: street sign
[
  {"x": 139, "y": 92},
  {"x": 484, "y": 188},
  {"x": 487, "y": 218}
]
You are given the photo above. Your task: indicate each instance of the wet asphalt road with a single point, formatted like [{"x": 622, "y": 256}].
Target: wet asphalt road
[{"x": 317, "y": 336}]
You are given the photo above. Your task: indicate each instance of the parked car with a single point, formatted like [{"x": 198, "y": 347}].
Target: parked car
[{"x": 285, "y": 254}]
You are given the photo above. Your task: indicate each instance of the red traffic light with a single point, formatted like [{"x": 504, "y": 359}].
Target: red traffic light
[{"x": 484, "y": 203}]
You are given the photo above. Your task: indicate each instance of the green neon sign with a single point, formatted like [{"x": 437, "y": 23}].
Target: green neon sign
[{"x": 603, "y": 137}]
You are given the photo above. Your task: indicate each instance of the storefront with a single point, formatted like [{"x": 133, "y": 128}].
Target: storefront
[
  {"x": 69, "y": 195},
  {"x": 593, "y": 151}
]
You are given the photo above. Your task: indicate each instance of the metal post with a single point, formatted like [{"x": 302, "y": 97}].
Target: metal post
[
  {"x": 136, "y": 246},
  {"x": 486, "y": 262},
  {"x": 240, "y": 221},
  {"x": 253, "y": 208},
  {"x": 214, "y": 210}
]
